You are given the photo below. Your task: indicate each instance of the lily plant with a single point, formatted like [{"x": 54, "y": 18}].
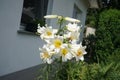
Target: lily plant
[{"x": 62, "y": 42}]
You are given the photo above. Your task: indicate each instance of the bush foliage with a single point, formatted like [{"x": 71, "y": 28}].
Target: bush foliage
[{"x": 108, "y": 34}]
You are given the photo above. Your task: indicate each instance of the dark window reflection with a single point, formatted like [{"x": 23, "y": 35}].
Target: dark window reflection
[{"x": 32, "y": 14}]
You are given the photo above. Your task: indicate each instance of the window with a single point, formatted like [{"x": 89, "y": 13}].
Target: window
[
  {"x": 32, "y": 14},
  {"x": 77, "y": 13}
]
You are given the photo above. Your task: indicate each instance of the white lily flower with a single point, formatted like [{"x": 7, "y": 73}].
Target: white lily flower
[
  {"x": 78, "y": 51},
  {"x": 47, "y": 32},
  {"x": 73, "y": 37},
  {"x": 40, "y": 29},
  {"x": 46, "y": 55},
  {"x": 51, "y": 16},
  {"x": 56, "y": 43},
  {"x": 72, "y": 20},
  {"x": 65, "y": 53},
  {"x": 73, "y": 27}
]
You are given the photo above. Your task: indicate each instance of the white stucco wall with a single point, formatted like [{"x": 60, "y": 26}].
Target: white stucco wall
[
  {"x": 20, "y": 51},
  {"x": 17, "y": 51}
]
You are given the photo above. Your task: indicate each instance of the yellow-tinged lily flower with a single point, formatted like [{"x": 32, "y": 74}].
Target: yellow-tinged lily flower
[
  {"x": 78, "y": 51},
  {"x": 47, "y": 32},
  {"x": 72, "y": 37},
  {"x": 56, "y": 43},
  {"x": 65, "y": 53},
  {"x": 46, "y": 54}
]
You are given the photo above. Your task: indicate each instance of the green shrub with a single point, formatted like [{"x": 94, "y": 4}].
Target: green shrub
[
  {"x": 73, "y": 70},
  {"x": 94, "y": 71},
  {"x": 108, "y": 34}
]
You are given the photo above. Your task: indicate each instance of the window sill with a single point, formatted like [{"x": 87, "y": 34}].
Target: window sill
[{"x": 27, "y": 32}]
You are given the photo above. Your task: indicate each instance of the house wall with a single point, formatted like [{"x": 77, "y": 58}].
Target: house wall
[
  {"x": 20, "y": 51},
  {"x": 17, "y": 51}
]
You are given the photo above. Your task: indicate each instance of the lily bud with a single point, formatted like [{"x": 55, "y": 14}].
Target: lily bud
[
  {"x": 72, "y": 19},
  {"x": 50, "y": 16}
]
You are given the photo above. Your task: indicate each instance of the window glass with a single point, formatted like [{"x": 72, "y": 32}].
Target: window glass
[{"x": 32, "y": 14}]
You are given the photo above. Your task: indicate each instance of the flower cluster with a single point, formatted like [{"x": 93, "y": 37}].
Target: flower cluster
[{"x": 62, "y": 42}]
